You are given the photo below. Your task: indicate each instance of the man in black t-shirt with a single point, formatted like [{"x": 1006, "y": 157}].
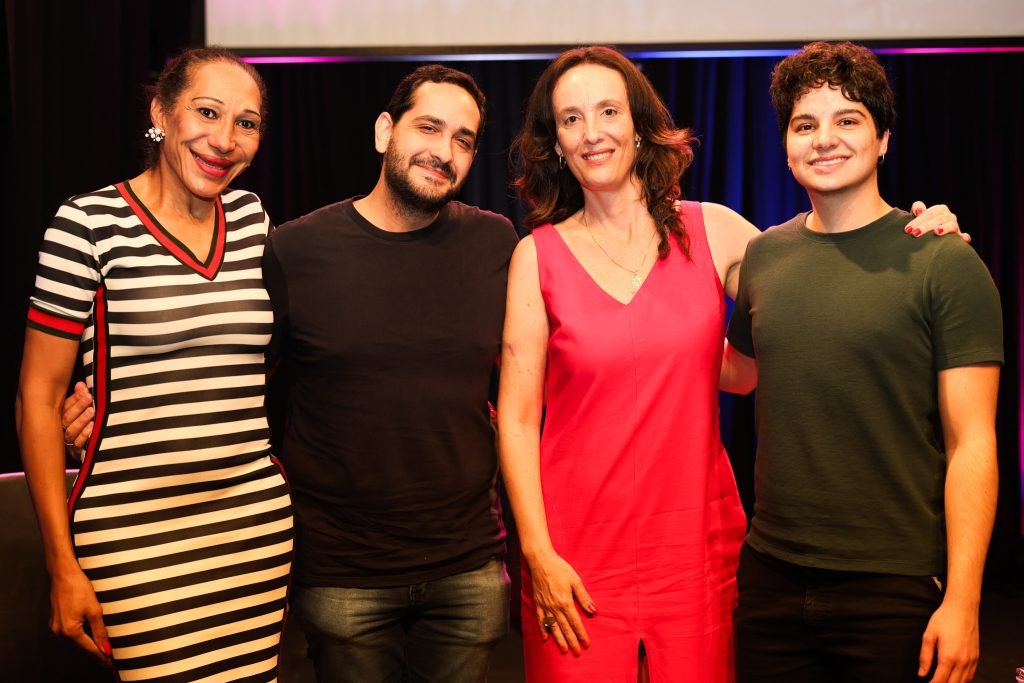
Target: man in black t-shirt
[{"x": 388, "y": 313}]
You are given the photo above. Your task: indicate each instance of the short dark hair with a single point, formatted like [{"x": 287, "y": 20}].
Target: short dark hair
[
  {"x": 402, "y": 99},
  {"x": 177, "y": 74},
  {"x": 552, "y": 194},
  {"x": 852, "y": 68}
]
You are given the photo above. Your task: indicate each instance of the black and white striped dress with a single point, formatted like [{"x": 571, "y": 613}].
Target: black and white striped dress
[{"x": 181, "y": 517}]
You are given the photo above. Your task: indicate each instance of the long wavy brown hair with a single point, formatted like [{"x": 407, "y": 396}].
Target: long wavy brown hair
[{"x": 552, "y": 195}]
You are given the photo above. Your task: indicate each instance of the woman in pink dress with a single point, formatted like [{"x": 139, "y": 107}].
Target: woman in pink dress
[{"x": 627, "y": 511}]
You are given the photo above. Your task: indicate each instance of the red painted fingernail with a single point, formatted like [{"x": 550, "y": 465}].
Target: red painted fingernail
[
  {"x": 105, "y": 646},
  {"x": 907, "y": 229},
  {"x": 592, "y": 607},
  {"x": 917, "y": 232},
  {"x": 938, "y": 231}
]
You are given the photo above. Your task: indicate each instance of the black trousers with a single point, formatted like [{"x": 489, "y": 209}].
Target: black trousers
[{"x": 798, "y": 624}]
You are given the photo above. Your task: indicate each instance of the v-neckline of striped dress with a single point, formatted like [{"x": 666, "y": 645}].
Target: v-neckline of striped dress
[
  {"x": 181, "y": 517},
  {"x": 208, "y": 267}
]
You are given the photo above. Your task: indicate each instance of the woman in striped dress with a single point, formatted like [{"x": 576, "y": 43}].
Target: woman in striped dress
[{"x": 171, "y": 560}]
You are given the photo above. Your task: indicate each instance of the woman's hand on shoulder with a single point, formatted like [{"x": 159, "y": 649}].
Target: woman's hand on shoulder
[
  {"x": 937, "y": 219},
  {"x": 728, "y": 236}
]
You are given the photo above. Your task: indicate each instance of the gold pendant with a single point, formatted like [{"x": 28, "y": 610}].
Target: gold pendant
[{"x": 636, "y": 281}]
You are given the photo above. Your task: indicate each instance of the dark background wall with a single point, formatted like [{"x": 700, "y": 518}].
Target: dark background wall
[{"x": 75, "y": 116}]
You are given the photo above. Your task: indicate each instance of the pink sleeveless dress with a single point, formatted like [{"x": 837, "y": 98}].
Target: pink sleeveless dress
[{"x": 638, "y": 490}]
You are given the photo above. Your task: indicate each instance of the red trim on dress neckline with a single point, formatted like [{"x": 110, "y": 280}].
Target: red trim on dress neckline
[{"x": 169, "y": 242}]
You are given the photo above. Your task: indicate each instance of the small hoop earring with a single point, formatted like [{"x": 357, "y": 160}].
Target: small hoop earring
[
  {"x": 561, "y": 163},
  {"x": 156, "y": 134},
  {"x": 881, "y": 159}
]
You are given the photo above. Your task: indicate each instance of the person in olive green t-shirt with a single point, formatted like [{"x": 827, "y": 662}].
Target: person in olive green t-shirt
[{"x": 876, "y": 360}]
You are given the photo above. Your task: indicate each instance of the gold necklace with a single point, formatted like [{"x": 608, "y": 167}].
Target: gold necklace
[{"x": 636, "y": 280}]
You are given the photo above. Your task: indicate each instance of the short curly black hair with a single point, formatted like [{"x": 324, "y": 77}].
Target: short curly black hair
[{"x": 850, "y": 67}]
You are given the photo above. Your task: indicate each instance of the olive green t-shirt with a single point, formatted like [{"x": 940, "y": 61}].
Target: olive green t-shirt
[{"x": 850, "y": 331}]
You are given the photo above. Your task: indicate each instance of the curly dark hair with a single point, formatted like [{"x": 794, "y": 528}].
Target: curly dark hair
[
  {"x": 176, "y": 76},
  {"x": 852, "y": 68},
  {"x": 552, "y": 195}
]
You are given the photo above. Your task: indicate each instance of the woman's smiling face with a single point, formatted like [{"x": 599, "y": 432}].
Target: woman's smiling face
[{"x": 212, "y": 130}]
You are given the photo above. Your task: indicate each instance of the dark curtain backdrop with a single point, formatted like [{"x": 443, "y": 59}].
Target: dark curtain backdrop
[{"x": 75, "y": 117}]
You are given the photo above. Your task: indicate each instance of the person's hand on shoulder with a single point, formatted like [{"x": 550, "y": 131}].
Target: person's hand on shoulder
[{"x": 936, "y": 219}]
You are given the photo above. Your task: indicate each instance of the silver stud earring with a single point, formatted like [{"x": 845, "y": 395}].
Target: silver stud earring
[
  {"x": 156, "y": 134},
  {"x": 638, "y": 142}
]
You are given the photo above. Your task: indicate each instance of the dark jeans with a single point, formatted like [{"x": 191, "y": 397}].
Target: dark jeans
[
  {"x": 438, "y": 631},
  {"x": 803, "y": 625}
]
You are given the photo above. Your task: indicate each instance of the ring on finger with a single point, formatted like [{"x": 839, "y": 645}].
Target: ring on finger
[
  {"x": 549, "y": 621},
  {"x": 64, "y": 435}
]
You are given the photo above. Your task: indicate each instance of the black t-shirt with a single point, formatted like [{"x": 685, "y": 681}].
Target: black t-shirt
[{"x": 388, "y": 342}]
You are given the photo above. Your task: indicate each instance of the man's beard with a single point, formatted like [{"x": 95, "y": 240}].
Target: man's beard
[{"x": 410, "y": 197}]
